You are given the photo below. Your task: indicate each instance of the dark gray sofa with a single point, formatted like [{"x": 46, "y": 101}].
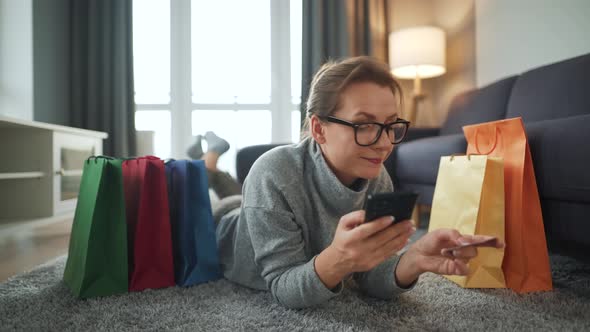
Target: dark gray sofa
[{"x": 554, "y": 103}]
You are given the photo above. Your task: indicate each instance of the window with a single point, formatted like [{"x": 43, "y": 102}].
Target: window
[{"x": 229, "y": 66}]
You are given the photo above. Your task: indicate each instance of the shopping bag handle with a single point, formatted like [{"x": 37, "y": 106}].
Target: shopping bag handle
[
  {"x": 137, "y": 159},
  {"x": 99, "y": 157},
  {"x": 497, "y": 134},
  {"x": 148, "y": 157},
  {"x": 463, "y": 154}
]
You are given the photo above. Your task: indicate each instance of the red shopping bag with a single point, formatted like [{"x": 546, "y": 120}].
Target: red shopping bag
[
  {"x": 148, "y": 224},
  {"x": 526, "y": 260}
]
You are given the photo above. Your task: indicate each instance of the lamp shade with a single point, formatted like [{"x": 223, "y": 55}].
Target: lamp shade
[{"x": 417, "y": 52}]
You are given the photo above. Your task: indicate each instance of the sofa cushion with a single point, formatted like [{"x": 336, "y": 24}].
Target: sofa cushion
[
  {"x": 425, "y": 191},
  {"x": 554, "y": 91},
  {"x": 476, "y": 106},
  {"x": 560, "y": 158},
  {"x": 417, "y": 161},
  {"x": 417, "y": 133}
]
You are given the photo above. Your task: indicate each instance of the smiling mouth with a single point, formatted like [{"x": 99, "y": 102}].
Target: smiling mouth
[{"x": 374, "y": 160}]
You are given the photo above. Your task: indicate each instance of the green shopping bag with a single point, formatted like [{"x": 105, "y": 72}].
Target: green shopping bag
[{"x": 97, "y": 257}]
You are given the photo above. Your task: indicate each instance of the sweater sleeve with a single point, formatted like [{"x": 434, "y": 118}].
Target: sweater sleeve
[
  {"x": 279, "y": 251},
  {"x": 380, "y": 282}
]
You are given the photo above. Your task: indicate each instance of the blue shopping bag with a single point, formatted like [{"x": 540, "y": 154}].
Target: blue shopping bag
[{"x": 193, "y": 230}]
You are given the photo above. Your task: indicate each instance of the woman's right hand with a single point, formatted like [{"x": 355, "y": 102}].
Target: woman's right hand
[{"x": 359, "y": 246}]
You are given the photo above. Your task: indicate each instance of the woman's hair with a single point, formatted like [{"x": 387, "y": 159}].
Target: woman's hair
[{"x": 335, "y": 76}]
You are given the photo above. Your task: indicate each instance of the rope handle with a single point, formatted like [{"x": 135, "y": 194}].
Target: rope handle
[{"x": 497, "y": 134}]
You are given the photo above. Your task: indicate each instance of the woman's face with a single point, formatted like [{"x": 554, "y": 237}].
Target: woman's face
[{"x": 359, "y": 102}]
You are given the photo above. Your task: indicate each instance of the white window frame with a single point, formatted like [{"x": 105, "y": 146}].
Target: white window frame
[{"x": 181, "y": 104}]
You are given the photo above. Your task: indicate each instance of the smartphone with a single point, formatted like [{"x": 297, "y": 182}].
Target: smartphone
[{"x": 397, "y": 204}]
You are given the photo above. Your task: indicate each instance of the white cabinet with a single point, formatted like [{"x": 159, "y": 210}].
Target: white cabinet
[{"x": 41, "y": 167}]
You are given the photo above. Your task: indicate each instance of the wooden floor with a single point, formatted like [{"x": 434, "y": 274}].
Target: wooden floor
[{"x": 28, "y": 244}]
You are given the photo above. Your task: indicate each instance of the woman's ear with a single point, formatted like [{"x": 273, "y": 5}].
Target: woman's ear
[{"x": 317, "y": 129}]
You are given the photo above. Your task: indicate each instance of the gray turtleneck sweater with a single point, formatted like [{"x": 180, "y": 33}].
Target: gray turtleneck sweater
[{"x": 292, "y": 203}]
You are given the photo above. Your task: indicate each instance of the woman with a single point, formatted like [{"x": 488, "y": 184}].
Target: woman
[{"x": 300, "y": 230}]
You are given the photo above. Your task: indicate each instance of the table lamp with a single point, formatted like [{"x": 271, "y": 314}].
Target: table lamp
[{"x": 417, "y": 53}]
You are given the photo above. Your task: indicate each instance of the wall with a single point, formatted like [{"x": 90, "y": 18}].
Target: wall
[
  {"x": 16, "y": 58},
  {"x": 51, "y": 58},
  {"x": 457, "y": 18},
  {"x": 34, "y": 60},
  {"x": 514, "y": 36}
]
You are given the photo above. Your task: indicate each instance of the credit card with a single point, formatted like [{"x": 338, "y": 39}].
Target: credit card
[{"x": 488, "y": 241}]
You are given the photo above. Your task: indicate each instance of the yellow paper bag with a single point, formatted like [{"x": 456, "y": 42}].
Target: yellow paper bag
[{"x": 469, "y": 197}]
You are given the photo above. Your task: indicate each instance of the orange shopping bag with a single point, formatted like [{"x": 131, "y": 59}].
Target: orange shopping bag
[{"x": 526, "y": 260}]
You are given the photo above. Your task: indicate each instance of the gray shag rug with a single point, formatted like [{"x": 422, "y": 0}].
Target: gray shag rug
[{"x": 39, "y": 300}]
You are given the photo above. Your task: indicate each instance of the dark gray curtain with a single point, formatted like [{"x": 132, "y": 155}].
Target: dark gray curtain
[
  {"x": 334, "y": 29},
  {"x": 368, "y": 26},
  {"x": 102, "y": 92},
  {"x": 325, "y": 37}
]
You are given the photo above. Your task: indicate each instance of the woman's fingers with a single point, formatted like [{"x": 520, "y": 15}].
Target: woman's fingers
[
  {"x": 380, "y": 239},
  {"x": 351, "y": 220},
  {"x": 461, "y": 267},
  {"x": 466, "y": 253},
  {"x": 404, "y": 228},
  {"x": 394, "y": 244},
  {"x": 445, "y": 237},
  {"x": 454, "y": 267},
  {"x": 485, "y": 240},
  {"x": 368, "y": 229}
]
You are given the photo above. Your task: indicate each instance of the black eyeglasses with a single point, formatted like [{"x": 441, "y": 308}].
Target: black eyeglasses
[{"x": 368, "y": 133}]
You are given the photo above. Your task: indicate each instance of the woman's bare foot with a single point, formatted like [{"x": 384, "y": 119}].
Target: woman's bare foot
[{"x": 210, "y": 158}]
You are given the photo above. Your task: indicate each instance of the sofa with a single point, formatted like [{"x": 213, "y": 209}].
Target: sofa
[{"x": 554, "y": 104}]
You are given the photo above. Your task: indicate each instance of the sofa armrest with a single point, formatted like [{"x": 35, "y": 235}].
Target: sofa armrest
[
  {"x": 417, "y": 133},
  {"x": 246, "y": 157}
]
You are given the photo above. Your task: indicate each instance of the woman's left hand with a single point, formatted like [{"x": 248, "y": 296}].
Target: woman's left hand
[{"x": 425, "y": 255}]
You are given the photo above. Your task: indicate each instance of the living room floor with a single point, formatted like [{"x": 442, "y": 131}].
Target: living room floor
[{"x": 26, "y": 246}]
